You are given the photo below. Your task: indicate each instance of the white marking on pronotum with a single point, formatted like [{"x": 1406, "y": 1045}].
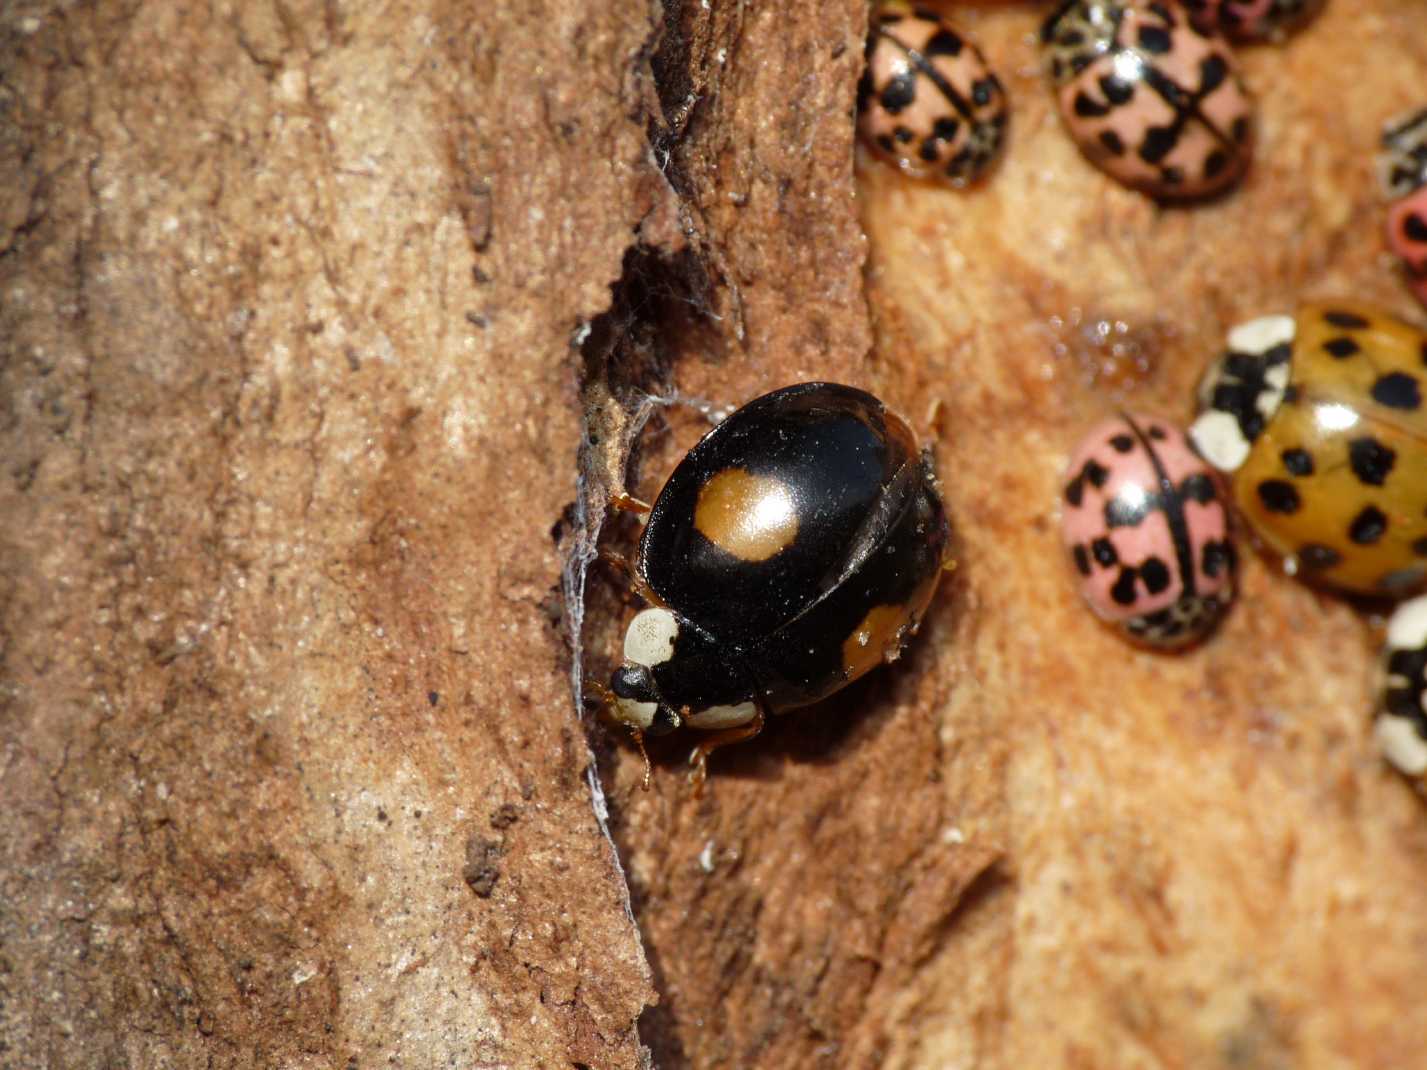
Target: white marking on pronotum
[
  {"x": 639, "y": 714},
  {"x": 1269, "y": 400},
  {"x": 1407, "y": 630},
  {"x": 1262, "y": 334},
  {"x": 1217, "y": 437},
  {"x": 1400, "y": 744},
  {"x": 650, "y": 638},
  {"x": 723, "y": 716}
]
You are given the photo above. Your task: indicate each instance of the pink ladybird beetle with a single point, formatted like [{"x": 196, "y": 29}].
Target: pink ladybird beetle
[
  {"x": 927, "y": 103},
  {"x": 1404, "y": 175},
  {"x": 1150, "y": 99},
  {"x": 1251, "y": 20},
  {"x": 1146, "y": 527}
]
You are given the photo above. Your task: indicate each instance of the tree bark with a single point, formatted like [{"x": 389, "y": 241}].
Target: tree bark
[{"x": 326, "y": 333}]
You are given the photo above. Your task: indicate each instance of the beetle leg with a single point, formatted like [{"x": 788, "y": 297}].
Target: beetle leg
[
  {"x": 630, "y": 575},
  {"x": 601, "y": 694},
  {"x": 605, "y": 697},
  {"x": 628, "y": 503},
  {"x": 932, "y": 420},
  {"x": 699, "y": 759},
  {"x": 638, "y": 735}
]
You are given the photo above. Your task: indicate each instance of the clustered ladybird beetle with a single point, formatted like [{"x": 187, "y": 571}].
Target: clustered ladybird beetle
[
  {"x": 1147, "y": 530},
  {"x": 1402, "y": 718},
  {"x": 1402, "y": 721},
  {"x": 927, "y": 102},
  {"x": 1251, "y": 20},
  {"x": 1404, "y": 175},
  {"x": 1149, "y": 98},
  {"x": 1320, "y": 418},
  {"x": 792, "y": 550}
]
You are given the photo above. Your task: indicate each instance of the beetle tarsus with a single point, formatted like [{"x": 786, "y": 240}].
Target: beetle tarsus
[
  {"x": 699, "y": 757},
  {"x": 638, "y": 735},
  {"x": 628, "y": 503},
  {"x": 633, "y": 581}
]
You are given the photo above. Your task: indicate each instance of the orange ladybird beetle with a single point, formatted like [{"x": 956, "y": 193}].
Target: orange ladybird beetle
[{"x": 1320, "y": 418}]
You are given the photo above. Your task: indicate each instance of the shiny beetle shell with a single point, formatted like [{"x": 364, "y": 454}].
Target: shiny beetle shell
[
  {"x": 1320, "y": 418},
  {"x": 1151, "y": 100},
  {"x": 927, "y": 102},
  {"x": 1404, "y": 175},
  {"x": 1401, "y": 727},
  {"x": 1251, "y": 20},
  {"x": 792, "y": 550},
  {"x": 1144, "y": 521}
]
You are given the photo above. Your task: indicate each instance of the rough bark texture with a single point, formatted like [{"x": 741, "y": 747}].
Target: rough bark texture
[
  {"x": 293, "y": 775},
  {"x": 323, "y": 336}
]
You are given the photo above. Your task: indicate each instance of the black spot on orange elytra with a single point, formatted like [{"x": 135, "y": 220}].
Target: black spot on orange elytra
[
  {"x": 1279, "y": 497},
  {"x": 1397, "y": 390},
  {"x": 1368, "y": 526},
  {"x": 1371, "y": 461}
]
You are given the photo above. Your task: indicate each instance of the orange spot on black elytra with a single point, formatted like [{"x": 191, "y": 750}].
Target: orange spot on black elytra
[{"x": 751, "y": 517}]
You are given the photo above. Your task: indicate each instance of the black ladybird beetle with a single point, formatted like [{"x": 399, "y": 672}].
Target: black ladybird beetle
[{"x": 793, "y": 549}]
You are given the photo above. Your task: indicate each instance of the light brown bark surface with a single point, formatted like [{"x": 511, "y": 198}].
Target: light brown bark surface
[{"x": 320, "y": 332}]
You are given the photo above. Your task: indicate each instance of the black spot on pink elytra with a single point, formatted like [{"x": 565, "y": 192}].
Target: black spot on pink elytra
[
  {"x": 945, "y": 128},
  {"x": 1120, "y": 513},
  {"x": 899, "y": 92},
  {"x": 1212, "y": 72},
  {"x": 1155, "y": 574},
  {"x": 1197, "y": 488},
  {"x": 1087, "y": 107},
  {"x": 1155, "y": 39},
  {"x": 944, "y": 43},
  {"x": 1117, "y": 91},
  {"x": 1104, "y": 551},
  {"x": 1158, "y": 142},
  {"x": 1218, "y": 557},
  {"x": 1123, "y": 592},
  {"x": 1082, "y": 559}
]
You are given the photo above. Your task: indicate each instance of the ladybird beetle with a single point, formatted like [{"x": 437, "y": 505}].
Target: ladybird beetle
[
  {"x": 1150, "y": 99},
  {"x": 1251, "y": 20},
  {"x": 1320, "y": 418},
  {"x": 1147, "y": 530},
  {"x": 927, "y": 103},
  {"x": 1401, "y": 727},
  {"x": 792, "y": 550},
  {"x": 1404, "y": 175}
]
